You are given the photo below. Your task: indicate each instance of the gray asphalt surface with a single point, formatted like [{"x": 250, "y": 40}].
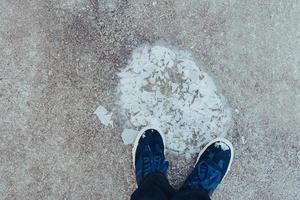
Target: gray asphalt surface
[{"x": 58, "y": 62}]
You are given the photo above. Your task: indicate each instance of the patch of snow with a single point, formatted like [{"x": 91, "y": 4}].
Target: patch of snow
[
  {"x": 104, "y": 116},
  {"x": 164, "y": 87},
  {"x": 223, "y": 146},
  {"x": 129, "y": 135}
]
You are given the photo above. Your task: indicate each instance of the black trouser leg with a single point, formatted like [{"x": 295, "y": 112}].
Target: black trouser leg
[
  {"x": 191, "y": 195},
  {"x": 157, "y": 187},
  {"x": 154, "y": 187}
]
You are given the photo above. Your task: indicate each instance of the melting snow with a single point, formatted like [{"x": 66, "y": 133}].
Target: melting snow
[
  {"x": 164, "y": 87},
  {"x": 129, "y": 135},
  {"x": 104, "y": 116},
  {"x": 223, "y": 146}
]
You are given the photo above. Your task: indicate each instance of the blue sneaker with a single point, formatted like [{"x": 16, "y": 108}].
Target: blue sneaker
[
  {"x": 211, "y": 167},
  {"x": 149, "y": 154}
]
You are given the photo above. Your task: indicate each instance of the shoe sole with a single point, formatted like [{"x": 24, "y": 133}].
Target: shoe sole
[
  {"x": 136, "y": 142},
  {"x": 227, "y": 142}
]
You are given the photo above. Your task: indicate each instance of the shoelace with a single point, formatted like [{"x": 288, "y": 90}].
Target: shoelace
[
  {"x": 153, "y": 163},
  {"x": 208, "y": 177}
]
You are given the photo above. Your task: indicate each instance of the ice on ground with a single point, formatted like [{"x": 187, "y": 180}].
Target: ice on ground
[
  {"x": 129, "y": 135},
  {"x": 104, "y": 116},
  {"x": 164, "y": 87},
  {"x": 223, "y": 146}
]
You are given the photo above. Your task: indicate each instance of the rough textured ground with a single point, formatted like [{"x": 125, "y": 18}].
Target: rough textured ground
[{"x": 58, "y": 62}]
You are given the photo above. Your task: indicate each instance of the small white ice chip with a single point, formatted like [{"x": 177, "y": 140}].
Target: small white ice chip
[
  {"x": 223, "y": 146},
  {"x": 104, "y": 116},
  {"x": 129, "y": 135}
]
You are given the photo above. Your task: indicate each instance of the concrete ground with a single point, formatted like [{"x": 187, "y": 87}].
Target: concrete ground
[{"x": 58, "y": 62}]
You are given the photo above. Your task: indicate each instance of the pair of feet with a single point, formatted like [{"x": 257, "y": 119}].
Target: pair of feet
[{"x": 211, "y": 166}]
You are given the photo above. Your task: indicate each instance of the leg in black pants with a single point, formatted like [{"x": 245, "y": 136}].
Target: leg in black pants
[
  {"x": 151, "y": 168},
  {"x": 157, "y": 187}
]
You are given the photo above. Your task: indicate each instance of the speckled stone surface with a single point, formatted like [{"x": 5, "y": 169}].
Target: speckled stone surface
[{"x": 58, "y": 62}]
